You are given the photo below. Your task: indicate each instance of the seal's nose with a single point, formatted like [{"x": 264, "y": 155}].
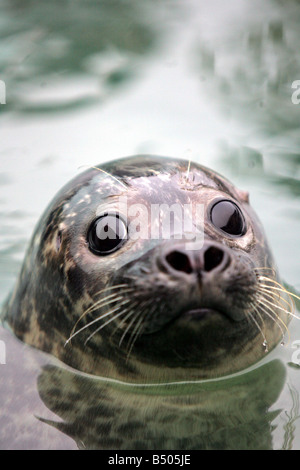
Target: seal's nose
[{"x": 211, "y": 257}]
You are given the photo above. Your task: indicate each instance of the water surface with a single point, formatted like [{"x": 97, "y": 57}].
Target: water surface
[{"x": 90, "y": 81}]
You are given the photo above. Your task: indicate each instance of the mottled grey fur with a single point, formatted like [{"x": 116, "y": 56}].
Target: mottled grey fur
[{"x": 61, "y": 279}]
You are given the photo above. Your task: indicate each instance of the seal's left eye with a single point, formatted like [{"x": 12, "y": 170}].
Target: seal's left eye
[
  {"x": 227, "y": 216},
  {"x": 107, "y": 234}
]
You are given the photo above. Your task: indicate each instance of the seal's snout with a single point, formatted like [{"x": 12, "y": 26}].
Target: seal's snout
[
  {"x": 207, "y": 279},
  {"x": 211, "y": 258}
]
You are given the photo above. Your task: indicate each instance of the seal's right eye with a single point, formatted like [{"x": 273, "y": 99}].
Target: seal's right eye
[{"x": 107, "y": 234}]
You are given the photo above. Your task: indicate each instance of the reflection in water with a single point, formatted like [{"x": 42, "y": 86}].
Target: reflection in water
[
  {"x": 230, "y": 414},
  {"x": 250, "y": 69},
  {"x": 292, "y": 416},
  {"x": 63, "y": 55},
  {"x": 46, "y": 405}
]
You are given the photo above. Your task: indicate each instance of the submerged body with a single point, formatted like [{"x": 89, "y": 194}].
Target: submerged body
[
  {"x": 47, "y": 405},
  {"x": 141, "y": 308}
]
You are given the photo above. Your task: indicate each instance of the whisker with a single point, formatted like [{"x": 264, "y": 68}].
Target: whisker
[
  {"x": 139, "y": 326},
  {"x": 115, "y": 286},
  {"x": 96, "y": 320},
  {"x": 266, "y": 309},
  {"x": 265, "y": 268},
  {"x": 281, "y": 287},
  {"x": 282, "y": 290},
  {"x": 114, "y": 298},
  {"x": 129, "y": 314},
  {"x": 267, "y": 292},
  {"x": 188, "y": 170},
  {"x": 106, "y": 173},
  {"x": 141, "y": 312},
  {"x": 291, "y": 313},
  {"x": 129, "y": 326},
  {"x": 96, "y": 305},
  {"x": 135, "y": 335},
  {"x": 106, "y": 323},
  {"x": 265, "y": 342}
]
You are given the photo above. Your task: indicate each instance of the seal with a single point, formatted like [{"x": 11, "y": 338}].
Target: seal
[{"x": 107, "y": 289}]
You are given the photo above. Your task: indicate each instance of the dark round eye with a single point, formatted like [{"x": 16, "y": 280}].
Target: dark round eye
[
  {"x": 107, "y": 234},
  {"x": 227, "y": 216}
]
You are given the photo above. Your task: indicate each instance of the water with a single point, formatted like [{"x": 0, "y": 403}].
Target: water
[{"x": 90, "y": 81}]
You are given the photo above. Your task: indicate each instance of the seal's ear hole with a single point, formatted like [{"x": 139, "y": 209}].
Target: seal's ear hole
[
  {"x": 107, "y": 234},
  {"x": 227, "y": 216},
  {"x": 58, "y": 240}
]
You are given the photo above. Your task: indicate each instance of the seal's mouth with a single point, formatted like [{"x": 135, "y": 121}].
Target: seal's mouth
[
  {"x": 199, "y": 313},
  {"x": 191, "y": 316}
]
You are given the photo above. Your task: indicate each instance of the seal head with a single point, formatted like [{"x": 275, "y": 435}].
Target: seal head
[{"x": 149, "y": 268}]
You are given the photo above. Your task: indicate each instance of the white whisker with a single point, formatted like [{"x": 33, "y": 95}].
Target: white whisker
[
  {"x": 131, "y": 312},
  {"x": 106, "y": 173},
  {"x": 96, "y": 320},
  {"x": 106, "y": 323},
  {"x": 134, "y": 335},
  {"x": 266, "y": 309},
  {"x": 100, "y": 303},
  {"x": 280, "y": 308},
  {"x": 265, "y": 342}
]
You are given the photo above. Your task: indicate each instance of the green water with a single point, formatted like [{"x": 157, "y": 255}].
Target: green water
[{"x": 89, "y": 81}]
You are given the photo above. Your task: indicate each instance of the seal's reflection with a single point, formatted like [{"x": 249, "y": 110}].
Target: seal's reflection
[{"x": 223, "y": 414}]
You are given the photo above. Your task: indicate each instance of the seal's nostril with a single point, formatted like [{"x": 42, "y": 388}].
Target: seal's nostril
[
  {"x": 213, "y": 257},
  {"x": 179, "y": 261},
  {"x": 208, "y": 259}
]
